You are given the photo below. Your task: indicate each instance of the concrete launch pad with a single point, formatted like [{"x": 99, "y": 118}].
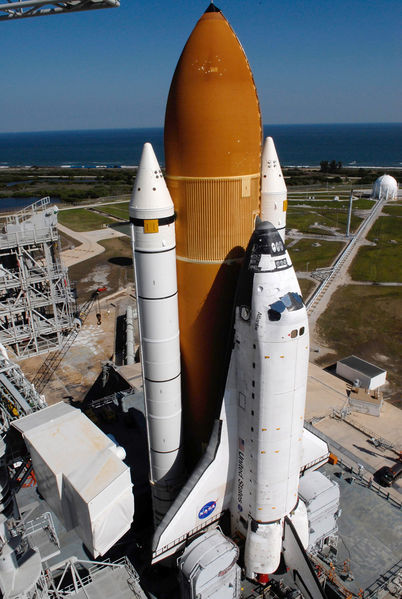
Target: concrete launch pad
[
  {"x": 370, "y": 531},
  {"x": 326, "y": 398},
  {"x": 83, "y": 362}
]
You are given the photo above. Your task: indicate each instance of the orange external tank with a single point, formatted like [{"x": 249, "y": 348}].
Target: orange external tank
[{"x": 212, "y": 150}]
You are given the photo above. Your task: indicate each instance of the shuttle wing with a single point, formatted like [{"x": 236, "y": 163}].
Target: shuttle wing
[
  {"x": 315, "y": 452},
  {"x": 208, "y": 491}
]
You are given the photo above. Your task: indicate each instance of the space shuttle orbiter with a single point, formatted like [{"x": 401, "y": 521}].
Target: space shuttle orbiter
[{"x": 252, "y": 464}]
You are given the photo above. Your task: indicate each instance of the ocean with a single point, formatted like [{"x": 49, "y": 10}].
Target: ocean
[{"x": 297, "y": 145}]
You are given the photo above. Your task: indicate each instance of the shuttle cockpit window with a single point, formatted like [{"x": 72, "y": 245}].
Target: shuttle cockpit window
[
  {"x": 291, "y": 301},
  {"x": 274, "y": 315}
]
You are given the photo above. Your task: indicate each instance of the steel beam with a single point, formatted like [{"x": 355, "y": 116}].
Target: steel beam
[{"x": 37, "y": 8}]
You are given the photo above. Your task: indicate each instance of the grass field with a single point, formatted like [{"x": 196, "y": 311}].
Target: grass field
[
  {"x": 360, "y": 204},
  {"x": 393, "y": 210},
  {"x": 382, "y": 262},
  {"x": 304, "y": 220},
  {"x": 339, "y": 220},
  {"x": 306, "y": 257},
  {"x": 81, "y": 219},
  {"x": 119, "y": 210},
  {"x": 367, "y": 322}
]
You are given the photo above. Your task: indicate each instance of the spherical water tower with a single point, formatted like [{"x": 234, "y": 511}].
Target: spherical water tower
[{"x": 385, "y": 188}]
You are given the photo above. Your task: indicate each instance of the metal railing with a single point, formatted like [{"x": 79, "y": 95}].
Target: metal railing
[
  {"x": 180, "y": 540},
  {"x": 340, "y": 261},
  {"x": 336, "y": 413},
  {"x": 96, "y": 568},
  {"x": 43, "y": 522},
  {"x": 362, "y": 473},
  {"x": 384, "y": 580},
  {"x": 366, "y": 480}
]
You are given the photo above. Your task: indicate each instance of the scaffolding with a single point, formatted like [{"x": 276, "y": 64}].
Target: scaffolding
[
  {"x": 38, "y": 8},
  {"x": 36, "y": 301},
  {"x": 17, "y": 396}
]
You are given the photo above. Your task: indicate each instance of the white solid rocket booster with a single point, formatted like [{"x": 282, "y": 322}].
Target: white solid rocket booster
[
  {"x": 273, "y": 189},
  {"x": 154, "y": 255}
]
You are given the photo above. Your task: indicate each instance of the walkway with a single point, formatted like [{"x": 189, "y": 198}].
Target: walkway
[
  {"x": 89, "y": 246},
  {"x": 338, "y": 274}
]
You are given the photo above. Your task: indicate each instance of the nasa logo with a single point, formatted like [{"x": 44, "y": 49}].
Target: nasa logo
[{"x": 207, "y": 510}]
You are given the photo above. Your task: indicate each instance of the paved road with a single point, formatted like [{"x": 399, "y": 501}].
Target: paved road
[
  {"x": 89, "y": 246},
  {"x": 106, "y": 201}
]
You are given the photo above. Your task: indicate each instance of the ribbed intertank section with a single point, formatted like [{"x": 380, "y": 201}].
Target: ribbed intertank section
[
  {"x": 213, "y": 219},
  {"x": 212, "y": 152}
]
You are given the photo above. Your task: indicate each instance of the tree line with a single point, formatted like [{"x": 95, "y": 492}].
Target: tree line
[{"x": 330, "y": 167}]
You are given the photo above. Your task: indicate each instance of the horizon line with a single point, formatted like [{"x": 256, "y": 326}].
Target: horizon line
[{"x": 161, "y": 127}]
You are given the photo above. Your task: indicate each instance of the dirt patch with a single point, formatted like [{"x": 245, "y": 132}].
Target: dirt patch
[
  {"x": 112, "y": 269},
  {"x": 82, "y": 364},
  {"x": 368, "y": 325}
]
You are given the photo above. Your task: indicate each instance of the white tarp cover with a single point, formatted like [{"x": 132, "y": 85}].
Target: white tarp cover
[
  {"x": 78, "y": 473},
  {"x": 315, "y": 451},
  {"x": 321, "y": 496}
]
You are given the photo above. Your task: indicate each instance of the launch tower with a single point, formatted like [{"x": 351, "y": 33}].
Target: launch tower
[{"x": 36, "y": 302}]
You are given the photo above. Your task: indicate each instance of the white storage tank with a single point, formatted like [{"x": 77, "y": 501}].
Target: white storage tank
[
  {"x": 208, "y": 568},
  {"x": 385, "y": 188},
  {"x": 361, "y": 373}
]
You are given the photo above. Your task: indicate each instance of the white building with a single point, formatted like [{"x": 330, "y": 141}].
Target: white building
[{"x": 361, "y": 373}]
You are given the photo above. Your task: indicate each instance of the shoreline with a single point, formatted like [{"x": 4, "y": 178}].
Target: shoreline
[{"x": 67, "y": 167}]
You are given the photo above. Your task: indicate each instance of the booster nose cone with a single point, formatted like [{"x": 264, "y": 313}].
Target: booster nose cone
[
  {"x": 273, "y": 188},
  {"x": 272, "y": 180},
  {"x": 150, "y": 197}
]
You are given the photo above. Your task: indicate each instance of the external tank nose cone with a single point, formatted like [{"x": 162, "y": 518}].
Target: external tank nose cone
[
  {"x": 271, "y": 173},
  {"x": 150, "y": 192},
  {"x": 213, "y": 8},
  {"x": 213, "y": 121}
]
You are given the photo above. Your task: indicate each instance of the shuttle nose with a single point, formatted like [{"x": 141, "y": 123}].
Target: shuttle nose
[{"x": 265, "y": 241}]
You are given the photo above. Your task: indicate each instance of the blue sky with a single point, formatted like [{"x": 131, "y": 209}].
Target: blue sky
[{"x": 313, "y": 62}]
